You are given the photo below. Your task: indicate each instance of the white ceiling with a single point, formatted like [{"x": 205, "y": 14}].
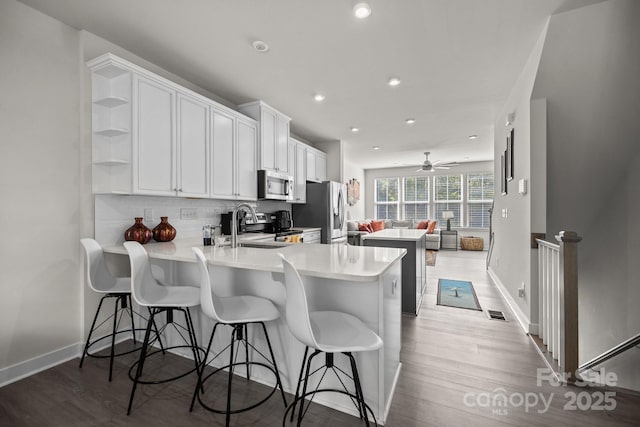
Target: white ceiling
[{"x": 457, "y": 60}]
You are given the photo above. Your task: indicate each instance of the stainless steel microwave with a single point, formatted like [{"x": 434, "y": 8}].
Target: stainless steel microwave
[{"x": 274, "y": 185}]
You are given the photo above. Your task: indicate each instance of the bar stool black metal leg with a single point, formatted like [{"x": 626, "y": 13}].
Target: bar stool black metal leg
[
  {"x": 93, "y": 325},
  {"x": 300, "y": 378},
  {"x": 113, "y": 335},
  {"x": 143, "y": 354},
  {"x": 246, "y": 350},
  {"x": 356, "y": 380},
  {"x": 155, "y": 327},
  {"x": 130, "y": 311},
  {"x": 275, "y": 366},
  {"x": 204, "y": 363},
  {"x": 194, "y": 343},
  {"x": 230, "y": 378},
  {"x": 304, "y": 388}
]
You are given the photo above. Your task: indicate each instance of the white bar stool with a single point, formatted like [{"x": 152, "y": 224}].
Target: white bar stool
[
  {"x": 101, "y": 281},
  {"x": 236, "y": 312},
  {"x": 326, "y": 332},
  {"x": 148, "y": 292}
]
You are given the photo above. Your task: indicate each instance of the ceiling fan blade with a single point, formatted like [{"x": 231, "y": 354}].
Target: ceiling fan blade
[
  {"x": 419, "y": 170},
  {"x": 442, "y": 167}
]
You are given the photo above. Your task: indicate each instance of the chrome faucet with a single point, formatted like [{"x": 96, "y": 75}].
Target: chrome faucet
[{"x": 234, "y": 221}]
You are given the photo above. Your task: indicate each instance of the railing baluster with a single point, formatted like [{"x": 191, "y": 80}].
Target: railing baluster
[{"x": 558, "y": 299}]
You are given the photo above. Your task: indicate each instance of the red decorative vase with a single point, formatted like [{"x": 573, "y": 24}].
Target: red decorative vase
[
  {"x": 164, "y": 232},
  {"x": 138, "y": 232}
]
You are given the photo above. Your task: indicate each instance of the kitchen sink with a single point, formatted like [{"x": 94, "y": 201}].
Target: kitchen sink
[{"x": 263, "y": 245}]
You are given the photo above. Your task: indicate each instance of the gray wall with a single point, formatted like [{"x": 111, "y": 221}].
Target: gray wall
[
  {"x": 40, "y": 256},
  {"x": 590, "y": 75},
  {"x": 512, "y": 255}
]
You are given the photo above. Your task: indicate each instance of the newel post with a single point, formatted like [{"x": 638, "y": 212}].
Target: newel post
[{"x": 568, "y": 241}]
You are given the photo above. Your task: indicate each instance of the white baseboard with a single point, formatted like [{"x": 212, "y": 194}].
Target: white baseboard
[
  {"x": 387, "y": 408},
  {"x": 32, "y": 366},
  {"x": 522, "y": 318},
  {"x": 37, "y": 364}
]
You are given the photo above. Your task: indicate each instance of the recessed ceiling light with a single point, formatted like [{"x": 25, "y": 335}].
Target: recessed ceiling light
[
  {"x": 375, "y": 147},
  {"x": 362, "y": 10},
  {"x": 318, "y": 97},
  {"x": 474, "y": 136},
  {"x": 394, "y": 81},
  {"x": 260, "y": 46},
  {"x": 410, "y": 121},
  {"x": 354, "y": 129}
]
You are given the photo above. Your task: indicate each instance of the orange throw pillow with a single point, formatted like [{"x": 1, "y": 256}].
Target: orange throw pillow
[
  {"x": 432, "y": 226},
  {"x": 365, "y": 227},
  {"x": 423, "y": 225},
  {"x": 377, "y": 225}
]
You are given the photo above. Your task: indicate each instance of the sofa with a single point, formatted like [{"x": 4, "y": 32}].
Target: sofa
[{"x": 354, "y": 235}]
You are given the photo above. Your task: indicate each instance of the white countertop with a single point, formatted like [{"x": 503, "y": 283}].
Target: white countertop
[
  {"x": 344, "y": 262},
  {"x": 396, "y": 234}
]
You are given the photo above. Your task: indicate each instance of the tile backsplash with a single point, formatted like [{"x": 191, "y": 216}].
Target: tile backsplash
[{"x": 115, "y": 213}]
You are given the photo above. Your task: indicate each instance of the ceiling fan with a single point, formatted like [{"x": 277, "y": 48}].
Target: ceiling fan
[{"x": 429, "y": 166}]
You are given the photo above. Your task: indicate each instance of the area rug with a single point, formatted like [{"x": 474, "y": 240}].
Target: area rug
[
  {"x": 457, "y": 293},
  {"x": 431, "y": 258}
]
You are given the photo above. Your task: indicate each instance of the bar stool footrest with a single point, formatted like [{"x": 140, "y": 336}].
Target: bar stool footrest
[
  {"x": 247, "y": 408},
  {"x": 133, "y": 367}
]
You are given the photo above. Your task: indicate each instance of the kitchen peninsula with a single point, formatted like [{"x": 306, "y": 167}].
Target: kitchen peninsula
[{"x": 362, "y": 281}]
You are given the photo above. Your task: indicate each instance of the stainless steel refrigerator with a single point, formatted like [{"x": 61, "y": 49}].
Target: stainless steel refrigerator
[{"x": 325, "y": 208}]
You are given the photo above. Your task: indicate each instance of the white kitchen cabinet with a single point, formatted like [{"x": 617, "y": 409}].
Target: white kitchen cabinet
[
  {"x": 234, "y": 149},
  {"x": 192, "y": 147},
  {"x": 316, "y": 165},
  {"x": 321, "y": 166},
  {"x": 170, "y": 141},
  {"x": 154, "y": 153},
  {"x": 154, "y": 137},
  {"x": 298, "y": 169},
  {"x": 247, "y": 149},
  {"x": 273, "y": 146}
]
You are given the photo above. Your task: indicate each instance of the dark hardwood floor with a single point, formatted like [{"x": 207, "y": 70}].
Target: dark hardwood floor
[{"x": 455, "y": 362}]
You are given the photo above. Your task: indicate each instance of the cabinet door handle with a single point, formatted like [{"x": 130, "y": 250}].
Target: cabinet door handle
[{"x": 394, "y": 285}]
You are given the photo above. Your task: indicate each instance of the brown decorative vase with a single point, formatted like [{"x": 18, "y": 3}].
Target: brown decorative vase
[
  {"x": 164, "y": 232},
  {"x": 138, "y": 232}
]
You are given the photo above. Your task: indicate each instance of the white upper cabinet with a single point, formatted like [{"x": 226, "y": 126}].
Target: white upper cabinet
[
  {"x": 153, "y": 138},
  {"x": 246, "y": 164},
  {"x": 273, "y": 147},
  {"x": 223, "y": 159},
  {"x": 298, "y": 169},
  {"x": 193, "y": 147},
  {"x": 316, "y": 165},
  {"x": 234, "y": 148}
]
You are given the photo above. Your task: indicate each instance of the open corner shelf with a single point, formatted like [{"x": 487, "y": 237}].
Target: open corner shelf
[
  {"x": 111, "y": 101},
  {"x": 112, "y": 132},
  {"x": 110, "y": 71},
  {"x": 111, "y": 162}
]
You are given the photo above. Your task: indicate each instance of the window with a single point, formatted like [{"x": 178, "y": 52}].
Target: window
[
  {"x": 448, "y": 197},
  {"x": 426, "y": 196},
  {"x": 387, "y": 200},
  {"x": 480, "y": 197},
  {"x": 416, "y": 197}
]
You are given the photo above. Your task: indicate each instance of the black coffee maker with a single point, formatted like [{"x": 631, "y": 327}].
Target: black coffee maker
[
  {"x": 281, "y": 221},
  {"x": 225, "y": 222}
]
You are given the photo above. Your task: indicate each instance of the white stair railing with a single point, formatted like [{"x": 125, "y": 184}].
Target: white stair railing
[{"x": 558, "y": 299}]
